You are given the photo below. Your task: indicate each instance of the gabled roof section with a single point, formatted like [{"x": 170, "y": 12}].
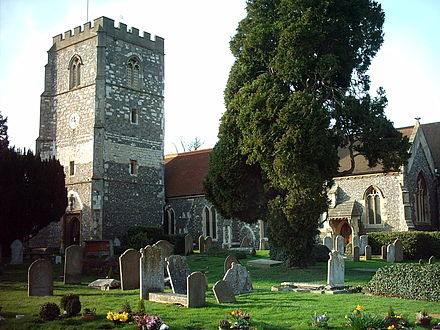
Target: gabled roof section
[
  {"x": 184, "y": 173},
  {"x": 432, "y": 135},
  {"x": 345, "y": 210}
]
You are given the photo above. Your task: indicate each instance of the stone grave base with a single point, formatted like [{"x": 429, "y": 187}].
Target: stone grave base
[
  {"x": 264, "y": 263},
  {"x": 168, "y": 298},
  {"x": 313, "y": 288}
]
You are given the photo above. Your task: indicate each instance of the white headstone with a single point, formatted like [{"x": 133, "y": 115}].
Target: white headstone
[
  {"x": 16, "y": 252},
  {"x": 391, "y": 253},
  {"x": 328, "y": 242},
  {"x": 58, "y": 260},
  {"x": 340, "y": 244},
  {"x": 116, "y": 242},
  {"x": 363, "y": 244},
  {"x": 336, "y": 269}
]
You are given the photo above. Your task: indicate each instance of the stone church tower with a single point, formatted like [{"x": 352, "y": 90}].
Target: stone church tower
[{"x": 102, "y": 116}]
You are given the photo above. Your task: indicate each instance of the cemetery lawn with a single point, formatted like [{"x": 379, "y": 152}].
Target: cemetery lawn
[{"x": 268, "y": 310}]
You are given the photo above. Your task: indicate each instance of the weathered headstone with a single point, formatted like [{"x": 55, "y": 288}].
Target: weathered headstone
[
  {"x": 178, "y": 271},
  {"x": 223, "y": 292},
  {"x": 368, "y": 252},
  {"x": 398, "y": 250},
  {"x": 228, "y": 262},
  {"x": 363, "y": 243},
  {"x": 340, "y": 244},
  {"x": 58, "y": 260},
  {"x": 73, "y": 261},
  {"x": 16, "y": 252},
  {"x": 421, "y": 262},
  {"x": 355, "y": 241},
  {"x": 356, "y": 253},
  {"x": 116, "y": 242},
  {"x": 245, "y": 242},
  {"x": 129, "y": 263},
  {"x": 166, "y": 247},
  {"x": 197, "y": 285},
  {"x": 151, "y": 271},
  {"x": 208, "y": 243},
  {"x": 431, "y": 260},
  {"x": 239, "y": 279},
  {"x": 335, "y": 269},
  {"x": 383, "y": 252},
  {"x": 328, "y": 242},
  {"x": 202, "y": 244},
  {"x": 391, "y": 253},
  {"x": 188, "y": 244},
  {"x": 40, "y": 278}
]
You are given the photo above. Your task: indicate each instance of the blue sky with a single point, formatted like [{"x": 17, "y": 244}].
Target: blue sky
[{"x": 197, "y": 61}]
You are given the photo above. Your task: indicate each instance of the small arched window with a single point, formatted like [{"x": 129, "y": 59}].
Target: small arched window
[
  {"x": 206, "y": 217},
  {"x": 210, "y": 222},
  {"x": 169, "y": 222},
  {"x": 373, "y": 206},
  {"x": 213, "y": 223},
  {"x": 422, "y": 200},
  {"x": 133, "y": 73},
  {"x": 75, "y": 72}
]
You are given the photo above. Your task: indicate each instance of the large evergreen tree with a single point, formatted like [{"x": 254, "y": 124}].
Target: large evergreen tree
[
  {"x": 298, "y": 91},
  {"x": 32, "y": 192}
]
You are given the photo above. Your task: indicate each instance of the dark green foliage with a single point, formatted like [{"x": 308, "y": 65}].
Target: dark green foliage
[
  {"x": 110, "y": 273},
  {"x": 71, "y": 304},
  {"x": 416, "y": 244},
  {"x": 223, "y": 253},
  {"x": 320, "y": 252},
  {"x": 298, "y": 91},
  {"x": 178, "y": 240},
  {"x": 32, "y": 194},
  {"x": 49, "y": 311},
  {"x": 409, "y": 281},
  {"x": 125, "y": 308},
  {"x": 138, "y": 237},
  {"x": 141, "y": 306},
  {"x": 4, "y": 142},
  {"x": 99, "y": 267}
]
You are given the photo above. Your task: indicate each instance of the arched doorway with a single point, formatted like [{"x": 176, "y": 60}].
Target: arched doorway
[
  {"x": 345, "y": 232},
  {"x": 72, "y": 230}
]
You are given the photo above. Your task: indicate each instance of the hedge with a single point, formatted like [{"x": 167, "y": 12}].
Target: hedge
[
  {"x": 416, "y": 244},
  {"x": 409, "y": 281}
]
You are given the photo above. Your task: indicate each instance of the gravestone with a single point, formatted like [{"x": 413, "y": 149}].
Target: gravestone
[
  {"x": 421, "y": 262},
  {"x": 197, "y": 285},
  {"x": 129, "y": 263},
  {"x": 335, "y": 269},
  {"x": 328, "y": 242},
  {"x": 355, "y": 241},
  {"x": 340, "y": 244},
  {"x": 223, "y": 292},
  {"x": 40, "y": 278},
  {"x": 73, "y": 261},
  {"x": 356, "y": 253},
  {"x": 208, "y": 243},
  {"x": 58, "y": 260},
  {"x": 245, "y": 242},
  {"x": 178, "y": 271},
  {"x": 16, "y": 252},
  {"x": 383, "y": 252},
  {"x": 431, "y": 260},
  {"x": 391, "y": 253},
  {"x": 228, "y": 262},
  {"x": 188, "y": 244},
  {"x": 363, "y": 243},
  {"x": 202, "y": 244},
  {"x": 368, "y": 252},
  {"x": 116, "y": 242},
  {"x": 151, "y": 271},
  {"x": 239, "y": 279},
  {"x": 166, "y": 247},
  {"x": 398, "y": 247}
]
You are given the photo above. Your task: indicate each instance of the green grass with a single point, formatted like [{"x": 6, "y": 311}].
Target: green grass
[{"x": 268, "y": 310}]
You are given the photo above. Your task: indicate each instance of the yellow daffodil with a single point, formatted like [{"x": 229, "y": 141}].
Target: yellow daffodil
[
  {"x": 359, "y": 308},
  {"x": 346, "y": 316},
  {"x": 391, "y": 327},
  {"x": 398, "y": 316}
]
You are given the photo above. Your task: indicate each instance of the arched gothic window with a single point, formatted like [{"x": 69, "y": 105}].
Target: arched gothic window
[
  {"x": 373, "y": 206},
  {"x": 422, "y": 200},
  {"x": 169, "y": 222},
  {"x": 210, "y": 222},
  {"x": 133, "y": 73},
  {"x": 75, "y": 72}
]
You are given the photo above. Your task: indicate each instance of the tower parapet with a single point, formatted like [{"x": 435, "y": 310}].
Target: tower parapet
[{"x": 107, "y": 25}]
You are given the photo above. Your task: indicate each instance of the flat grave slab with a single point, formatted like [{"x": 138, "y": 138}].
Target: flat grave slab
[
  {"x": 301, "y": 285},
  {"x": 264, "y": 263},
  {"x": 373, "y": 270},
  {"x": 168, "y": 298}
]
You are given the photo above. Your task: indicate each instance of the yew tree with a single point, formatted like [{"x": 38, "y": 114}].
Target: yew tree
[{"x": 297, "y": 91}]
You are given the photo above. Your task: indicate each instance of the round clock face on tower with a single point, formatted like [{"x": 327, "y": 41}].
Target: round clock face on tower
[{"x": 74, "y": 120}]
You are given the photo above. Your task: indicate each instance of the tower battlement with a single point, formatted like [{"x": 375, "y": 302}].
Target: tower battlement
[{"x": 106, "y": 25}]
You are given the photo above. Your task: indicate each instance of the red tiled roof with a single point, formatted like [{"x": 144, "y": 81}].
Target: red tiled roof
[{"x": 184, "y": 173}]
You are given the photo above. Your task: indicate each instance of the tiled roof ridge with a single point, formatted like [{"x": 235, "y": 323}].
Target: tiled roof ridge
[{"x": 187, "y": 153}]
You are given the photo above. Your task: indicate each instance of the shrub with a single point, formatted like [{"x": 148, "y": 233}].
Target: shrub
[
  {"x": 320, "y": 252},
  {"x": 138, "y": 237},
  {"x": 100, "y": 267},
  {"x": 125, "y": 308},
  {"x": 409, "y": 281},
  {"x": 361, "y": 320},
  {"x": 49, "y": 311},
  {"x": 178, "y": 240},
  {"x": 71, "y": 304},
  {"x": 216, "y": 251},
  {"x": 416, "y": 244}
]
